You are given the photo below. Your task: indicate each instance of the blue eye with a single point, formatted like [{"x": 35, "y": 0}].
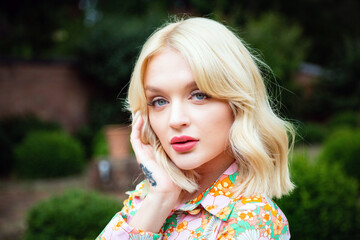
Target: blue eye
[
  {"x": 160, "y": 102},
  {"x": 199, "y": 96},
  {"x": 157, "y": 102}
]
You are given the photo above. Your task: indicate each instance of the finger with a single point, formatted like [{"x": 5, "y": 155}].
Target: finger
[
  {"x": 135, "y": 117},
  {"x": 143, "y": 152},
  {"x": 136, "y": 128}
]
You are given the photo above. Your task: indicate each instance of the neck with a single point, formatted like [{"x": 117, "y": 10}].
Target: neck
[{"x": 208, "y": 174}]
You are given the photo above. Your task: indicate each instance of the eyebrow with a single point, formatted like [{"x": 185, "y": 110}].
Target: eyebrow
[{"x": 156, "y": 89}]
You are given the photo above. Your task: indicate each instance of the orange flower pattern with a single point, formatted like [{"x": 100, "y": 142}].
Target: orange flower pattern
[{"x": 214, "y": 214}]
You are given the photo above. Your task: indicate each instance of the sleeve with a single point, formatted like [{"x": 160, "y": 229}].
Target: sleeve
[
  {"x": 255, "y": 218},
  {"x": 118, "y": 228}
]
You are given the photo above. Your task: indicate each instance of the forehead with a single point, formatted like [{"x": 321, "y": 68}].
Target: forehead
[{"x": 167, "y": 66}]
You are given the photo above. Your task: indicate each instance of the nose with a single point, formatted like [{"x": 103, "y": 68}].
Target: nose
[{"x": 178, "y": 116}]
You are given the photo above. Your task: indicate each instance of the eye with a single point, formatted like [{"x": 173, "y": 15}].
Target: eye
[
  {"x": 197, "y": 95},
  {"x": 158, "y": 102}
]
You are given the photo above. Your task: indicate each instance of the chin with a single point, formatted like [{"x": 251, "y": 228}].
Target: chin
[{"x": 186, "y": 166}]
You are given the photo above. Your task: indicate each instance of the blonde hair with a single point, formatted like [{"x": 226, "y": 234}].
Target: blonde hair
[{"x": 223, "y": 68}]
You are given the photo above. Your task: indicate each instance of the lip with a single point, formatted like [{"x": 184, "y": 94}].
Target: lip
[{"x": 183, "y": 143}]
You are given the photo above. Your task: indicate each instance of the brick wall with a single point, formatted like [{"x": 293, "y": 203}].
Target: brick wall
[{"x": 52, "y": 91}]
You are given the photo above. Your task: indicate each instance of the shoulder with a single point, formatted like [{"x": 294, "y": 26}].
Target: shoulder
[{"x": 255, "y": 217}]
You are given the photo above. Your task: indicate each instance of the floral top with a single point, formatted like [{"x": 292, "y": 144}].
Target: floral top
[{"x": 214, "y": 214}]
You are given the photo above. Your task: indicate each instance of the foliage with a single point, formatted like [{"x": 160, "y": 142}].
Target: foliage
[
  {"x": 338, "y": 89},
  {"x": 343, "y": 85},
  {"x": 311, "y": 132},
  {"x": 281, "y": 43},
  {"x": 135, "y": 8},
  {"x": 12, "y": 132},
  {"x": 77, "y": 214},
  {"x": 343, "y": 148},
  {"x": 111, "y": 47},
  {"x": 107, "y": 111},
  {"x": 315, "y": 132},
  {"x": 21, "y": 39},
  {"x": 334, "y": 46},
  {"x": 230, "y": 10},
  {"x": 325, "y": 29},
  {"x": 48, "y": 154},
  {"x": 344, "y": 119},
  {"x": 107, "y": 57},
  {"x": 283, "y": 48},
  {"x": 108, "y": 53},
  {"x": 100, "y": 147},
  {"x": 324, "y": 203},
  {"x": 66, "y": 38},
  {"x": 85, "y": 134}
]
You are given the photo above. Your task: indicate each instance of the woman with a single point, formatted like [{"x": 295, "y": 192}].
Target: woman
[{"x": 212, "y": 150}]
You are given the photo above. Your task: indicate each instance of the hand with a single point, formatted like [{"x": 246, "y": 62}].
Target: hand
[{"x": 160, "y": 182}]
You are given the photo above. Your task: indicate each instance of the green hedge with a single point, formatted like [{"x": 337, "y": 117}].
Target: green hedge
[
  {"x": 343, "y": 147},
  {"x": 77, "y": 214},
  {"x": 100, "y": 145},
  {"x": 345, "y": 119},
  {"x": 12, "y": 132},
  {"x": 311, "y": 132},
  {"x": 48, "y": 154},
  {"x": 324, "y": 204}
]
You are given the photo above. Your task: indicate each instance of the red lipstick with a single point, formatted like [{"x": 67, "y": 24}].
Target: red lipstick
[{"x": 183, "y": 143}]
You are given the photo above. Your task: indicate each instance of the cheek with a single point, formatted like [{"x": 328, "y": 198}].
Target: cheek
[
  {"x": 222, "y": 116},
  {"x": 219, "y": 125},
  {"x": 157, "y": 125}
]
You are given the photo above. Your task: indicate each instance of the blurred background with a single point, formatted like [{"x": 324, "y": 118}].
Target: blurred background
[{"x": 65, "y": 158}]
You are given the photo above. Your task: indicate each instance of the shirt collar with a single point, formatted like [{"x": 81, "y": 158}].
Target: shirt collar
[{"x": 218, "y": 199}]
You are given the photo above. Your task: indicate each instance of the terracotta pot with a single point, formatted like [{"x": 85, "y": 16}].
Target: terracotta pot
[{"x": 117, "y": 137}]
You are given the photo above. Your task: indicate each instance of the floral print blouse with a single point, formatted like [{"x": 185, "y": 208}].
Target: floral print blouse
[{"x": 214, "y": 214}]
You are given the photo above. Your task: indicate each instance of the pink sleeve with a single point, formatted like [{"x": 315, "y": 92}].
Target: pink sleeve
[{"x": 118, "y": 228}]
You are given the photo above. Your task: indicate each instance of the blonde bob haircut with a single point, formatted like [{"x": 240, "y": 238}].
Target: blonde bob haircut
[{"x": 222, "y": 68}]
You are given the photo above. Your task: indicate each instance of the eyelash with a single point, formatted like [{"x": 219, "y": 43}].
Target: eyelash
[
  {"x": 194, "y": 93},
  {"x": 153, "y": 102}
]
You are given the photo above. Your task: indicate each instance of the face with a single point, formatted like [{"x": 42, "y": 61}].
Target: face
[{"x": 192, "y": 127}]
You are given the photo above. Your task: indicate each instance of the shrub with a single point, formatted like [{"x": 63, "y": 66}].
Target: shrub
[
  {"x": 100, "y": 147},
  {"x": 85, "y": 135},
  {"x": 77, "y": 214},
  {"x": 343, "y": 147},
  {"x": 276, "y": 37},
  {"x": 12, "y": 132},
  {"x": 115, "y": 46},
  {"x": 106, "y": 57},
  {"x": 324, "y": 203},
  {"x": 312, "y": 132},
  {"x": 47, "y": 154},
  {"x": 345, "y": 119}
]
